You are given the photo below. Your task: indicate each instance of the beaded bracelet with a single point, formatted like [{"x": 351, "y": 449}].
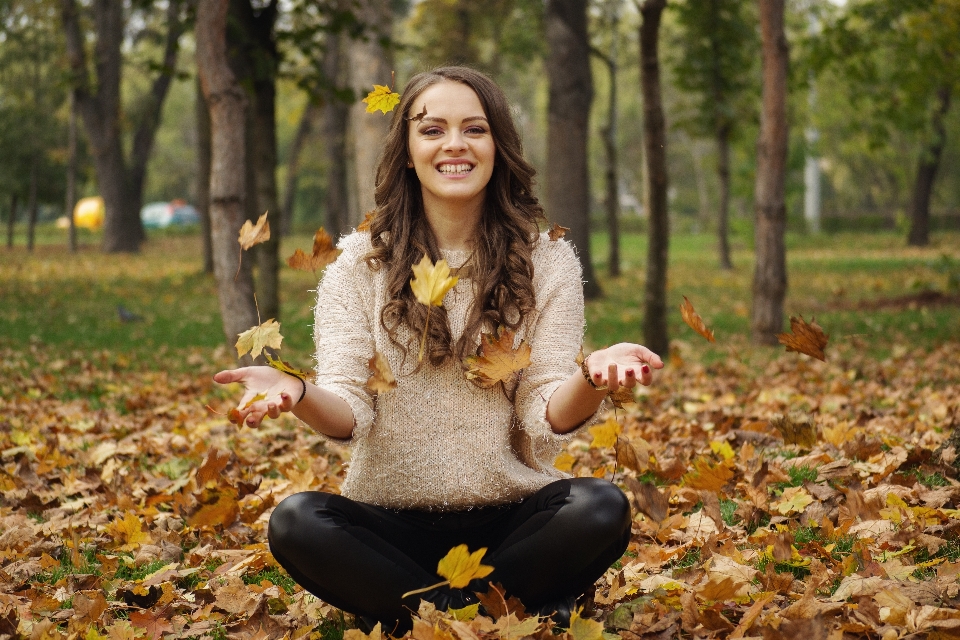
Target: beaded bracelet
[{"x": 585, "y": 370}]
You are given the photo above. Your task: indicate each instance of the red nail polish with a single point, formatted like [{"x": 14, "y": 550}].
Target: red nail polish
[
  {"x": 645, "y": 369},
  {"x": 629, "y": 372}
]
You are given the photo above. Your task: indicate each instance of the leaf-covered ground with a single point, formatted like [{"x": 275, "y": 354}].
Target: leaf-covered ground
[
  {"x": 774, "y": 495},
  {"x": 143, "y": 514}
]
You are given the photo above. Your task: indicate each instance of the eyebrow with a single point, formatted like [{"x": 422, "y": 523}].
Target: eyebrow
[{"x": 443, "y": 121}]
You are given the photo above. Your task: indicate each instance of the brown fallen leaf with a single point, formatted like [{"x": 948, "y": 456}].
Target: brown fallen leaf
[
  {"x": 154, "y": 624},
  {"x": 556, "y": 232},
  {"x": 693, "y": 319},
  {"x": 212, "y": 467},
  {"x": 323, "y": 253},
  {"x": 497, "y": 360},
  {"x": 707, "y": 476},
  {"x": 805, "y": 338},
  {"x": 381, "y": 377}
]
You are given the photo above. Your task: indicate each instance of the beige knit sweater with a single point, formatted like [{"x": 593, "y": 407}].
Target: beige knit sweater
[{"x": 437, "y": 441}]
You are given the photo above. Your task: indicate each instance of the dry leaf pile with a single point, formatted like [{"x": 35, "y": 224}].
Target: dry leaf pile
[{"x": 794, "y": 499}]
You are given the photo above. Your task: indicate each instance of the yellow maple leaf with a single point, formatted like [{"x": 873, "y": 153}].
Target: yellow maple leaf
[
  {"x": 254, "y": 340},
  {"x": 584, "y": 628},
  {"x": 286, "y": 367},
  {"x": 497, "y": 360},
  {"x": 793, "y": 500},
  {"x": 605, "y": 435},
  {"x": 460, "y": 566},
  {"x": 323, "y": 253},
  {"x": 252, "y": 234},
  {"x": 356, "y": 634},
  {"x": 722, "y": 448},
  {"x": 129, "y": 531},
  {"x": 431, "y": 281},
  {"x": 382, "y": 98}
]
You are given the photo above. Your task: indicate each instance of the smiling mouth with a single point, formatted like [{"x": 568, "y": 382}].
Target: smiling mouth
[{"x": 455, "y": 169}]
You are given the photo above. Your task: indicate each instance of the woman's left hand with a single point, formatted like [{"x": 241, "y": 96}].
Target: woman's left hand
[{"x": 623, "y": 365}]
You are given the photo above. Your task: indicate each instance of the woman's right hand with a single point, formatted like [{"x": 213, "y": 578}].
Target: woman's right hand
[{"x": 280, "y": 391}]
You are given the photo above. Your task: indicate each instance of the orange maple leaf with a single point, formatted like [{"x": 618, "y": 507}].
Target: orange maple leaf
[
  {"x": 556, "y": 232},
  {"x": 496, "y": 359},
  {"x": 693, "y": 319},
  {"x": 213, "y": 465},
  {"x": 705, "y": 476},
  {"x": 367, "y": 219},
  {"x": 805, "y": 338},
  {"x": 223, "y": 511},
  {"x": 323, "y": 253}
]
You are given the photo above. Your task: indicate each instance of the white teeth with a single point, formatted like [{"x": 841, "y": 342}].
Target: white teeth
[{"x": 455, "y": 168}]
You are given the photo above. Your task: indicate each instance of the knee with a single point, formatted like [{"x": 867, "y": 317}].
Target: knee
[
  {"x": 290, "y": 518},
  {"x": 602, "y": 503}
]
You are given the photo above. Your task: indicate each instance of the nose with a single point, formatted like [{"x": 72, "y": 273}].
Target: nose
[{"x": 454, "y": 142}]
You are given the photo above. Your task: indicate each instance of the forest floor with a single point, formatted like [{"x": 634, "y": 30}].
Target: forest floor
[{"x": 774, "y": 495}]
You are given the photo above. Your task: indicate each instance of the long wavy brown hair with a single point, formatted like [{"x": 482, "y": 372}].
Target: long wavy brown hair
[{"x": 501, "y": 264}]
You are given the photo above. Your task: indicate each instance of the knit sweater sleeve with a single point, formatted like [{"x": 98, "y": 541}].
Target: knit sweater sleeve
[
  {"x": 555, "y": 343},
  {"x": 342, "y": 330}
]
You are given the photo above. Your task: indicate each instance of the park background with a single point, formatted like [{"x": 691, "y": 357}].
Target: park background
[{"x": 131, "y": 508}]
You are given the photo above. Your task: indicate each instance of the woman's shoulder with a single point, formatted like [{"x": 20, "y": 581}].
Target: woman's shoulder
[
  {"x": 554, "y": 256},
  {"x": 353, "y": 248}
]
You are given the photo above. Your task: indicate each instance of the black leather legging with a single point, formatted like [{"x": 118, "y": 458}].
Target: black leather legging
[{"x": 361, "y": 558}]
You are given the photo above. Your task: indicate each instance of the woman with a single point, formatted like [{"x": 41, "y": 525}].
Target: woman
[{"x": 439, "y": 461}]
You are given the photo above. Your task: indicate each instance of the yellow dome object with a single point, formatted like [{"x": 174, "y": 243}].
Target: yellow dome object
[{"x": 89, "y": 213}]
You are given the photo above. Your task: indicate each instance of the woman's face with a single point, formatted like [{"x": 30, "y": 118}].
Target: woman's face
[{"x": 451, "y": 147}]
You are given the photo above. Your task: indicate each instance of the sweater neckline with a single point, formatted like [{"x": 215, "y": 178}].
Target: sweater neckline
[{"x": 455, "y": 257}]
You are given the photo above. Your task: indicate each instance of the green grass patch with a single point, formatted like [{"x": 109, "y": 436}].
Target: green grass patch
[
  {"x": 130, "y": 572},
  {"x": 275, "y": 575},
  {"x": 690, "y": 558},
  {"x": 88, "y": 565},
  {"x": 728, "y": 510},
  {"x": 799, "y": 475}
]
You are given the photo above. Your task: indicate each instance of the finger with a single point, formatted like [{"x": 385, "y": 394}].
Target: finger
[
  {"x": 286, "y": 402},
  {"x": 613, "y": 381},
  {"x": 253, "y": 419},
  {"x": 629, "y": 378},
  {"x": 646, "y": 374},
  {"x": 273, "y": 410},
  {"x": 228, "y": 376},
  {"x": 650, "y": 357}
]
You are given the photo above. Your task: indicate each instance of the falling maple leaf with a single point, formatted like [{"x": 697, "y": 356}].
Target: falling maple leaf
[
  {"x": 693, "y": 319},
  {"x": 556, "y": 232},
  {"x": 460, "y": 566},
  {"x": 252, "y": 234},
  {"x": 622, "y": 396},
  {"x": 430, "y": 283},
  {"x": 367, "y": 219},
  {"x": 382, "y": 98},
  {"x": 796, "y": 428},
  {"x": 286, "y": 367},
  {"x": 496, "y": 360},
  {"x": 323, "y": 253},
  {"x": 605, "y": 435},
  {"x": 255, "y": 339},
  {"x": 805, "y": 338},
  {"x": 381, "y": 377}
]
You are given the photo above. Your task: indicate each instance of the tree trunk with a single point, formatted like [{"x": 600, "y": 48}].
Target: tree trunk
[
  {"x": 304, "y": 128},
  {"x": 612, "y": 200},
  {"x": 770, "y": 274},
  {"x": 12, "y": 220},
  {"x": 568, "y": 127},
  {"x": 32, "y": 203},
  {"x": 122, "y": 230},
  {"x": 203, "y": 176},
  {"x": 71, "y": 196},
  {"x": 335, "y": 118},
  {"x": 228, "y": 104},
  {"x": 655, "y": 334},
  {"x": 723, "y": 206},
  {"x": 146, "y": 132},
  {"x": 927, "y": 167},
  {"x": 262, "y": 60},
  {"x": 370, "y": 62}
]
